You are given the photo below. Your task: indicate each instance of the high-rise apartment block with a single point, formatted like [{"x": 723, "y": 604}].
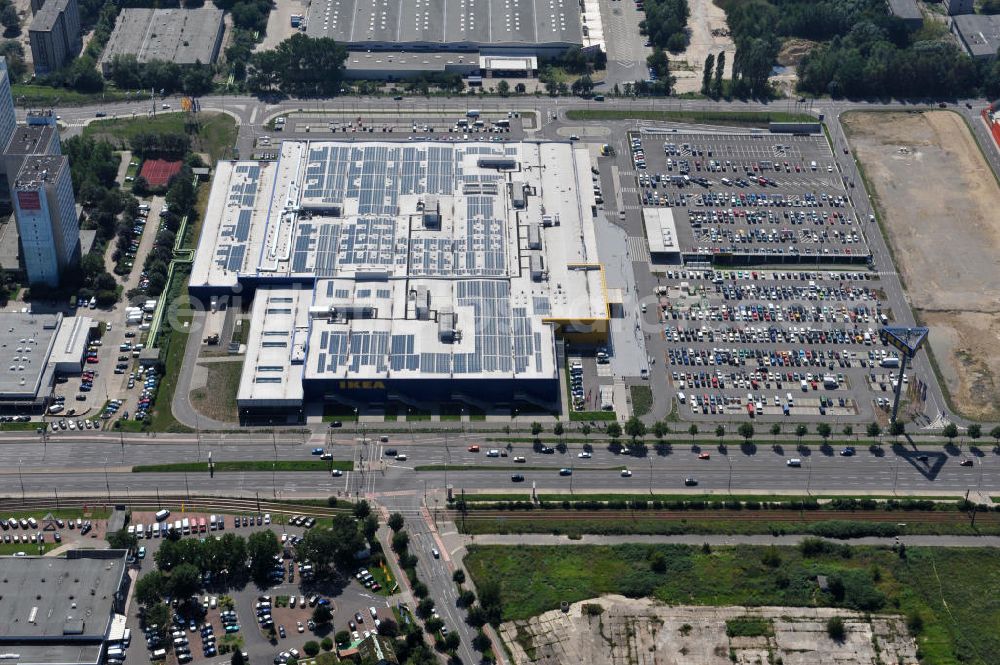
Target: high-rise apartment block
[
  {"x": 55, "y": 35},
  {"x": 8, "y": 120},
  {"x": 47, "y": 220}
]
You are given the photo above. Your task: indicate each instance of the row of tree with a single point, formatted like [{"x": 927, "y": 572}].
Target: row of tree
[
  {"x": 711, "y": 86},
  {"x": 129, "y": 74},
  {"x": 299, "y": 66}
]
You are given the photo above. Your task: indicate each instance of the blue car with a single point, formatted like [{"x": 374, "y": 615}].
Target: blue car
[{"x": 317, "y": 451}]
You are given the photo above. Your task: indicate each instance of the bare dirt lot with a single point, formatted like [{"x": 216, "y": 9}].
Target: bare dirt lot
[
  {"x": 938, "y": 200},
  {"x": 709, "y": 34},
  {"x": 645, "y": 632}
]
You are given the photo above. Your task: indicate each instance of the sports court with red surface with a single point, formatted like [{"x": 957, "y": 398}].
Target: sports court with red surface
[{"x": 158, "y": 172}]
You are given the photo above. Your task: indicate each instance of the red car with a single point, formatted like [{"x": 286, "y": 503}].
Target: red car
[
  {"x": 473, "y": 448},
  {"x": 704, "y": 456}
]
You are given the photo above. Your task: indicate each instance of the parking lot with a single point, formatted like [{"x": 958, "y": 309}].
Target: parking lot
[
  {"x": 769, "y": 310},
  {"x": 750, "y": 198},
  {"x": 244, "y": 617}
]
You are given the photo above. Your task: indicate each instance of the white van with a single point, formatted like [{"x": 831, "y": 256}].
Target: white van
[
  {"x": 159, "y": 654},
  {"x": 795, "y": 461},
  {"x": 681, "y": 398}
]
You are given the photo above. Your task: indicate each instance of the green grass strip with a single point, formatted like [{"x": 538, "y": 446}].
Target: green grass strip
[{"x": 249, "y": 465}]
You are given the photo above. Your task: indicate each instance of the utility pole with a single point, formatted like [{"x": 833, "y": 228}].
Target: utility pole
[{"x": 21, "y": 478}]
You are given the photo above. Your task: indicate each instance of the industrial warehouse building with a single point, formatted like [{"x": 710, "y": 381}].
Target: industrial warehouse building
[
  {"x": 441, "y": 36},
  {"x": 415, "y": 273},
  {"x": 37, "y": 348},
  {"x": 61, "y": 610},
  {"x": 181, "y": 36}
]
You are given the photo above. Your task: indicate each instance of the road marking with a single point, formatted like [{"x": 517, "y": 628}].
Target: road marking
[{"x": 253, "y": 116}]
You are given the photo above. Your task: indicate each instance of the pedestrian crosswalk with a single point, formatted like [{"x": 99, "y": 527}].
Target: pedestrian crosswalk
[
  {"x": 629, "y": 190},
  {"x": 632, "y": 206},
  {"x": 638, "y": 249}
]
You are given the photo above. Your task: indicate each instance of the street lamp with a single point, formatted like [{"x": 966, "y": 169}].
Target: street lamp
[{"x": 20, "y": 478}]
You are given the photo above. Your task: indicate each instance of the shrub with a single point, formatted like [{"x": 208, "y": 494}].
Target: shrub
[
  {"x": 835, "y": 629},
  {"x": 311, "y": 647},
  {"x": 326, "y": 644}
]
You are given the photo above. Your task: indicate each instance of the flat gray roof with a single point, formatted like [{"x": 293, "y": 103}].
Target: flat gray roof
[
  {"x": 184, "y": 36},
  {"x": 64, "y": 600},
  {"x": 30, "y": 139},
  {"x": 25, "y": 347},
  {"x": 40, "y": 169},
  {"x": 46, "y": 17},
  {"x": 905, "y": 9},
  {"x": 462, "y": 24},
  {"x": 980, "y": 34}
]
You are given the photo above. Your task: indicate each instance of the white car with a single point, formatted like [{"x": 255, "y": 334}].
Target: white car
[
  {"x": 584, "y": 455},
  {"x": 626, "y": 473}
]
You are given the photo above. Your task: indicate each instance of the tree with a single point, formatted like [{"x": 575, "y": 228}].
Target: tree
[
  {"x": 327, "y": 644},
  {"x": 458, "y": 576},
  {"x": 342, "y": 638},
  {"x": 369, "y": 527},
  {"x": 775, "y": 430},
  {"x": 635, "y": 428},
  {"x": 480, "y": 642},
  {"x": 585, "y": 429},
  {"x": 237, "y": 658},
  {"x": 746, "y": 431},
  {"x": 559, "y": 429},
  {"x": 150, "y": 587},
  {"x": 658, "y": 63},
  {"x": 720, "y": 431},
  {"x": 583, "y": 86},
  {"x": 975, "y": 431},
  {"x": 451, "y": 641},
  {"x": 614, "y": 430},
  {"x": 322, "y": 615},
  {"x": 389, "y": 628},
  {"x": 536, "y": 428},
  {"x": 520, "y": 88},
  {"x": 503, "y": 88},
  {"x": 433, "y": 625},
  {"x": 395, "y": 521},
  {"x": 300, "y": 65},
  {"x": 490, "y": 600},
  {"x": 335, "y": 545},
  {"x": 848, "y": 430},
  {"x": 835, "y": 629},
  {"x": 873, "y": 431},
  {"x": 800, "y": 431},
  {"x": 121, "y": 540},
  {"x": 995, "y": 435},
  {"x": 824, "y": 430},
  {"x": 362, "y": 509},
  {"x": 159, "y": 615},
  {"x": 185, "y": 580},
  {"x": 693, "y": 430},
  {"x": 400, "y": 542},
  {"x": 311, "y": 647},
  {"x": 262, "y": 547},
  {"x": 706, "y": 75},
  {"x": 720, "y": 69},
  {"x": 424, "y": 608},
  {"x": 896, "y": 428},
  {"x": 466, "y": 598},
  {"x": 660, "y": 429},
  {"x": 950, "y": 431}
]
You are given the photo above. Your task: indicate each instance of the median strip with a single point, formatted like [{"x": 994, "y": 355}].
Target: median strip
[{"x": 248, "y": 465}]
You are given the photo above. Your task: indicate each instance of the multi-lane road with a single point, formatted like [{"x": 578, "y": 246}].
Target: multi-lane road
[{"x": 107, "y": 466}]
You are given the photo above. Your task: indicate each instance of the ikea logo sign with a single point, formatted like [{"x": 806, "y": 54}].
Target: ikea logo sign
[{"x": 362, "y": 385}]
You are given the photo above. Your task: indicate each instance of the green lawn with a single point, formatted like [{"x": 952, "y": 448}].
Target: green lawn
[
  {"x": 642, "y": 400},
  {"x": 249, "y": 465},
  {"x": 732, "y": 118},
  {"x": 953, "y": 591},
  {"x": 31, "y": 549},
  {"x": 217, "y": 399},
  {"x": 333, "y": 412},
  {"x": 587, "y": 416},
  {"x": 20, "y": 427},
  {"x": 215, "y": 133},
  {"x": 41, "y": 95}
]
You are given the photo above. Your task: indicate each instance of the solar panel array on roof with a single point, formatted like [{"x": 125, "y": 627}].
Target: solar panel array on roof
[{"x": 242, "y": 193}]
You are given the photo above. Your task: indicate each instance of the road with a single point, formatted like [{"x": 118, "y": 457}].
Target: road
[{"x": 39, "y": 469}]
